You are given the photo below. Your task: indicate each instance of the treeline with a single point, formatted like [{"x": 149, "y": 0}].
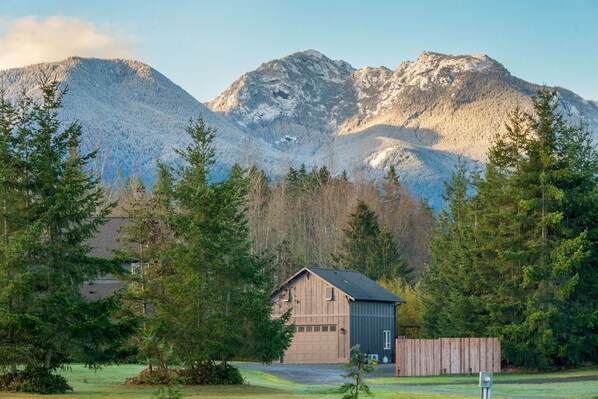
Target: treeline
[
  {"x": 304, "y": 217},
  {"x": 515, "y": 252},
  {"x": 309, "y": 217}
]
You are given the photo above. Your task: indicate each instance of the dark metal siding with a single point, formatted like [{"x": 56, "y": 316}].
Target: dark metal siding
[{"x": 369, "y": 319}]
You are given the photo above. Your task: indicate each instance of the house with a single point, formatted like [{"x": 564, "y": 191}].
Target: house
[
  {"x": 333, "y": 310},
  {"x": 104, "y": 244}
]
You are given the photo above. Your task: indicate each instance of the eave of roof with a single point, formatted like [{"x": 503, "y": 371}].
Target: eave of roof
[{"x": 354, "y": 284}]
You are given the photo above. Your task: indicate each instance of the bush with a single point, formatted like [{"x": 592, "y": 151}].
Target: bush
[
  {"x": 156, "y": 376},
  {"x": 208, "y": 373},
  {"x": 203, "y": 373},
  {"x": 34, "y": 380}
]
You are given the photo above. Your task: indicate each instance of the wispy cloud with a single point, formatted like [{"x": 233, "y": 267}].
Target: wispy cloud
[{"x": 32, "y": 40}]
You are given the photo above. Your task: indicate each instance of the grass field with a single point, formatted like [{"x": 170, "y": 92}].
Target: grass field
[{"x": 108, "y": 383}]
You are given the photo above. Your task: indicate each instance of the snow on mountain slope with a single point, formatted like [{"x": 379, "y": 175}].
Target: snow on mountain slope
[
  {"x": 303, "y": 93},
  {"x": 134, "y": 115},
  {"x": 303, "y": 108},
  {"x": 420, "y": 117}
]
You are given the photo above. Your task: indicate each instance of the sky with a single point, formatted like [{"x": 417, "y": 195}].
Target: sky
[{"x": 204, "y": 46}]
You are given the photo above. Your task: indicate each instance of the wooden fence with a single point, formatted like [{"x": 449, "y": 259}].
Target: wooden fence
[{"x": 418, "y": 357}]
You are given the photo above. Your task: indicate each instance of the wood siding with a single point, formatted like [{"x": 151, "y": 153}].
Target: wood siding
[
  {"x": 310, "y": 308},
  {"x": 420, "y": 357}
]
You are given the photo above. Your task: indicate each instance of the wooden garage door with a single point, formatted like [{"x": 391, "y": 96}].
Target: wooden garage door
[{"x": 315, "y": 343}]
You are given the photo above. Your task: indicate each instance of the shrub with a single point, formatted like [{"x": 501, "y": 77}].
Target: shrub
[
  {"x": 209, "y": 373},
  {"x": 202, "y": 373},
  {"x": 34, "y": 380}
]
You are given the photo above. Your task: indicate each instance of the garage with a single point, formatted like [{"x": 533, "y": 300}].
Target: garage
[
  {"x": 317, "y": 343},
  {"x": 333, "y": 310}
]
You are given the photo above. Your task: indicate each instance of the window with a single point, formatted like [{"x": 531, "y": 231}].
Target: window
[
  {"x": 286, "y": 296},
  {"x": 329, "y": 293},
  {"x": 386, "y": 339},
  {"x": 135, "y": 267},
  {"x": 315, "y": 329}
]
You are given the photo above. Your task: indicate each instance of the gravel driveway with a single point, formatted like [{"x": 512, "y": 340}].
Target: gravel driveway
[{"x": 314, "y": 374}]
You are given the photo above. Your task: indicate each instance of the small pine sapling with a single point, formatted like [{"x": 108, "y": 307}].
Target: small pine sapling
[{"x": 358, "y": 366}]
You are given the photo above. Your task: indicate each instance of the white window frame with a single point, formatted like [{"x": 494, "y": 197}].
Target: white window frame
[{"x": 387, "y": 340}]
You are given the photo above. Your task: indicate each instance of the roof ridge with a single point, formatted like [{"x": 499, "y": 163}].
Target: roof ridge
[{"x": 336, "y": 270}]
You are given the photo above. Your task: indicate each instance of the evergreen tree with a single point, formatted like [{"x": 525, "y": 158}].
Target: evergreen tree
[
  {"x": 218, "y": 306},
  {"x": 145, "y": 239},
  {"x": 390, "y": 261},
  {"x": 542, "y": 247},
  {"x": 450, "y": 304},
  {"x": 370, "y": 249},
  {"x": 391, "y": 188},
  {"x": 14, "y": 273},
  {"x": 44, "y": 260},
  {"x": 518, "y": 259},
  {"x": 360, "y": 235},
  {"x": 357, "y": 367}
]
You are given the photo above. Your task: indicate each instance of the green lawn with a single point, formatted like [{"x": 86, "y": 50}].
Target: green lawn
[{"x": 108, "y": 383}]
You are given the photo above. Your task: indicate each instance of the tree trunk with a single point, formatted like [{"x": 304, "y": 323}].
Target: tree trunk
[{"x": 48, "y": 358}]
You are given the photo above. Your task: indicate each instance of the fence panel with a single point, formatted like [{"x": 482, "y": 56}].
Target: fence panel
[{"x": 420, "y": 357}]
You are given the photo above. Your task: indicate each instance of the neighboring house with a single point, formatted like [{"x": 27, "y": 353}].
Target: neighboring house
[
  {"x": 334, "y": 310},
  {"x": 104, "y": 244}
]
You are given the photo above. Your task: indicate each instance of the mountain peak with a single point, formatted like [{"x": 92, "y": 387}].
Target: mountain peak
[
  {"x": 305, "y": 85},
  {"x": 429, "y": 61},
  {"x": 310, "y": 53},
  {"x": 317, "y": 58}
]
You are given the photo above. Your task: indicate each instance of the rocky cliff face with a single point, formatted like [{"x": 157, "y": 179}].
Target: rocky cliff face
[{"x": 420, "y": 117}]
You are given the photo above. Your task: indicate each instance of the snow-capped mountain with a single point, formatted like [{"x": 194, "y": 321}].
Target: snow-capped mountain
[
  {"x": 303, "y": 94},
  {"x": 303, "y": 108},
  {"x": 134, "y": 115},
  {"x": 420, "y": 117}
]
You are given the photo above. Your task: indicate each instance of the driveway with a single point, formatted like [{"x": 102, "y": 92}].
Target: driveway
[{"x": 314, "y": 374}]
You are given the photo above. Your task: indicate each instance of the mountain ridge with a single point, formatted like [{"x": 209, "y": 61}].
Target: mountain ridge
[
  {"x": 306, "y": 108},
  {"x": 436, "y": 107},
  {"x": 129, "y": 111}
]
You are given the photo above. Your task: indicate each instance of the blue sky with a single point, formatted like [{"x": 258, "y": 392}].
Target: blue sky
[{"x": 205, "y": 45}]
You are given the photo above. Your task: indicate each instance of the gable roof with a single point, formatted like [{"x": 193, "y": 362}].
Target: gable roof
[
  {"x": 106, "y": 242},
  {"x": 351, "y": 282},
  {"x": 356, "y": 285}
]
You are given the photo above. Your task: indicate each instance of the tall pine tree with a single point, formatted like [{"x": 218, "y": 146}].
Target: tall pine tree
[
  {"x": 451, "y": 305},
  {"x": 56, "y": 207},
  {"x": 218, "y": 294},
  {"x": 533, "y": 246},
  {"x": 528, "y": 236}
]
